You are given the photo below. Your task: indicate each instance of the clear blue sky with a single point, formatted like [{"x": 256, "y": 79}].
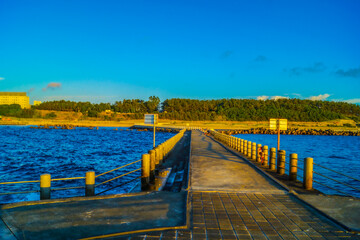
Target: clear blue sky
[{"x": 103, "y": 51}]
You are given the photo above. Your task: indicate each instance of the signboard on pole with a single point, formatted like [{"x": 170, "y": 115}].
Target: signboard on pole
[
  {"x": 275, "y": 123},
  {"x": 278, "y": 124},
  {"x": 151, "y": 119},
  {"x": 283, "y": 124}
]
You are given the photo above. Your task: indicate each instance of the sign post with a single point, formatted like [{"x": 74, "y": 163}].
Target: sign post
[
  {"x": 151, "y": 119},
  {"x": 278, "y": 124}
]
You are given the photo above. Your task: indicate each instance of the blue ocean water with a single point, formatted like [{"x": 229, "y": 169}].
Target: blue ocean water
[
  {"x": 339, "y": 153},
  {"x": 27, "y": 153}
]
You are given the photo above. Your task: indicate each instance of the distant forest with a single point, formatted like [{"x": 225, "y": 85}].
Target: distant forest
[{"x": 214, "y": 110}]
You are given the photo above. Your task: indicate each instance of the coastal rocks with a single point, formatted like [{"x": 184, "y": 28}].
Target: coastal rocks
[
  {"x": 158, "y": 129},
  {"x": 290, "y": 131}
]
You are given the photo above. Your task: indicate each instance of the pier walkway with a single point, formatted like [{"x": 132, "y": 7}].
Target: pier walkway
[
  {"x": 229, "y": 199},
  {"x": 226, "y": 198}
]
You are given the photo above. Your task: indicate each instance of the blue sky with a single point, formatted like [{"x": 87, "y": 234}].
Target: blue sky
[{"x": 103, "y": 51}]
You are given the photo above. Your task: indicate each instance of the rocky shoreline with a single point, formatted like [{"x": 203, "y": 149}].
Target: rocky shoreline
[{"x": 290, "y": 131}]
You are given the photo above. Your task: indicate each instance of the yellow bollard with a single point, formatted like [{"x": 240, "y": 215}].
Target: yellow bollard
[
  {"x": 161, "y": 155},
  {"x": 308, "y": 173},
  {"x": 266, "y": 155},
  {"x": 258, "y": 153},
  {"x": 293, "y": 167},
  {"x": 157, "y": 157},
  {"x": 245, "y": 150},
  {"x": 272, "y": 158},
  {"x": 164, "y": 152},
  {"x": 253, "y": 151},
  {"x": 242, "y": 145},
  {"x": 152, "y": 166},
  {"x": 249, "y": 149},
  {"x": 281, "y": 162},
  {"x": 90, "y": 183},
  {"x": 145, "y": 172},
  {"x": 45, "y": 186}
]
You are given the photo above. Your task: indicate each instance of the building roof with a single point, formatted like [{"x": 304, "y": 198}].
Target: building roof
[{"x": 12, "y": 93}]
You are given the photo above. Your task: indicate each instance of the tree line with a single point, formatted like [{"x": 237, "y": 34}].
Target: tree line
[
  {"x": 213, "y": 110},
  {"x": 259, "y": 110}
]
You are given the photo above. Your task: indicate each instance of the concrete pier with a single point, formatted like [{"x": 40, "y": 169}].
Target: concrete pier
[{"x": 225, "y": 198}]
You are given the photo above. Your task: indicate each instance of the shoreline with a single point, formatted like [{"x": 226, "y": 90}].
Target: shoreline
[{"x": 334, "y": 127}]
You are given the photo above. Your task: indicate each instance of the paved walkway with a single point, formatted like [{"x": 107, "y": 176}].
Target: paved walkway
[{"x": 230, "y": 200}]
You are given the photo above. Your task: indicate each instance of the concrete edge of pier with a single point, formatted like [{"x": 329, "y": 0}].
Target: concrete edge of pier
[
  {"x": 342, "y": 211},
  {"x": 136, "y": 213},
  {"x": 177, "y": 202}
]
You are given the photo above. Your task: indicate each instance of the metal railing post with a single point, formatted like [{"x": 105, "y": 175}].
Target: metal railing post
[
  {"x": 90, "y": 183},
  {"x": 308, "y": 173},
  {"x": 45, "y": 186},
  {"x": 258, "y": 154},
  {"x": 266, "y": 155},
  {"x": 281, "y": 162},
  {"x": 293, "y": 167},
  {"x": 145, "y": 172},
  {"x": 272, "y": 159},
  {"x": 249, "y": 149},
  {"x": 253, "y": 151}
]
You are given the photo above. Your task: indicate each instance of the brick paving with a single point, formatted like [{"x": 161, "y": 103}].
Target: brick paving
[
  {"x": 230, "y": 215},
  {"x": 229, "y": 200}
]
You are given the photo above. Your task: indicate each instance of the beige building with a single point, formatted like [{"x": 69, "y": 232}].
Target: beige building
[
  {"x": 15, "y": 98},
  {"x": 36, "y": 103}
]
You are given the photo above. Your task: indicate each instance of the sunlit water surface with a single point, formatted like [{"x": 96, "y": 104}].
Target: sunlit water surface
[
  {"x": 27, "y": 153},
  {"x": 339, "y": 153}
]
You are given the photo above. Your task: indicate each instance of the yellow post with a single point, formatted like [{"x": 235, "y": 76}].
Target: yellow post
[
  {"x": 145, "y": 172},
  {"x": 245, "y": 149},
  {"x": 157, "y": 157},
  {"x": 90, "y": 183},
  {"x": 281, "y": 162},
  {"x": 45, "y": 186},
  {"x": 266, "y": 155},
  {"x": 258, "y": 153},
  {"x": 242, "y": 145},
  {"x": 160, "y": 155},
  {"x": 152, "y": 166},
  {"x": 253, "y": 151},
  {"x": 249, "y": 149},
  {"x": 272, "y": 158},
  {"x": 293, "y": 167},
  {"x": 308, "y": 173}
]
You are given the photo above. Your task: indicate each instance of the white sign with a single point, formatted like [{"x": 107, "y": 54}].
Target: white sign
[{"x": 151, "y": 118}]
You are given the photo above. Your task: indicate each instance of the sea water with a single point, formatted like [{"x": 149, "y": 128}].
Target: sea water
[
  {"x": 26, "y": 153},
  {"x": 338, "y": 153}
]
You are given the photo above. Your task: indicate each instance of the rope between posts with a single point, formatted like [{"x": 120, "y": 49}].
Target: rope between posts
[
  {"x": 337, "y": 172},
  {"x": 117, "y": 168},
  {"x": 66, "y": 179},
  {"x": 34, "y": 181},
  {"x": 333, "y": 188},
  {"x": 66, "y": 188},
  {"x": 336, "y": 181},
  {"x": 118, "y": 185},
  {"x": 8, "y": 193},
  {"x": 118, "y": 177}
]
